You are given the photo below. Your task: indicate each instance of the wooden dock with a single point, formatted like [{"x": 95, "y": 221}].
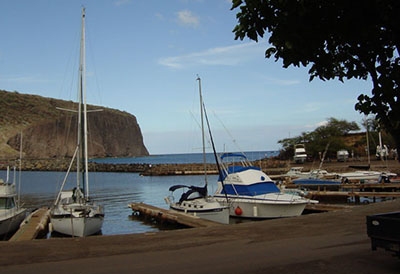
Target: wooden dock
[
  {"x": 355, "y": 196},
  {"x": 388, "y": 187},
  {"x": 35, "y": 225},
  {"x": 386, "y": 194},
  {"x": 161, "y": 215}
]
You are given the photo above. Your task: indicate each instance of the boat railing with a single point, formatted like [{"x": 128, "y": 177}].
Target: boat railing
[{"x": 7, "y": 189}]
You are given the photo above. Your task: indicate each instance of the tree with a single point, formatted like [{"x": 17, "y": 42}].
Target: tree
[
  {"x": 317, "y": 140},
  {"x": 336, "y": 39}
]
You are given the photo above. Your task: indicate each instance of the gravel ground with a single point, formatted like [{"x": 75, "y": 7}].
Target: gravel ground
[{"x": 332, "y": 242}]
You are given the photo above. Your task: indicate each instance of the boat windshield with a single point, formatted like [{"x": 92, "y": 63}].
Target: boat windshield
[
  {"x": 251, "y": 190},
  {"x": 235, "y": 169},
  {"x": 6, "y": 203}
]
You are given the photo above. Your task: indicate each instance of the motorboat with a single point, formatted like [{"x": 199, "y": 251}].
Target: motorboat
[
  {"x": 250, "y": 193},
  {"x": 364, "y": 175},
  {"x": 195, "y": 200},
  {"x": 11, "y": 213},
  {"x": 296, "y": 172}
]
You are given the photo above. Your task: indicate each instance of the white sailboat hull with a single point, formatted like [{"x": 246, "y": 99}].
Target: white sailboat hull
[
  {"x": 77, "y": 219},
  {"x": 77, "y": 226}
]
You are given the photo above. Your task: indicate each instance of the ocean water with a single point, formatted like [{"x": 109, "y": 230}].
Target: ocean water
[
  {"x": 115, "y": 190},
  {"x": 182, "y": 158}
]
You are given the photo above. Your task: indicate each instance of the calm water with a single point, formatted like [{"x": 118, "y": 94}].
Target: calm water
[
  {"x": 182, "y": 158},
  {"x": 116, "y": 190},
  {"x": 113, "y": 190}
]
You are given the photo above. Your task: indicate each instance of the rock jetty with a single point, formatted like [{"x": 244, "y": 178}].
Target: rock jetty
[{"x": 272, "y": 167}]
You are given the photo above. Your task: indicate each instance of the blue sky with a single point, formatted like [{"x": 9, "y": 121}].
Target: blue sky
[{"x": 143, "y": 57}]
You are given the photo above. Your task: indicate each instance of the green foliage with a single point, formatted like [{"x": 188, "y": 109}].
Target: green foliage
[
  {"x": 317, "y": 140},
  {"x": 336, "y": 39}
]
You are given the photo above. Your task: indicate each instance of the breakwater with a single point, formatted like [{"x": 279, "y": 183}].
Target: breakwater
[
  {"x": 63, "y": 164},
  {"x": 271, "y": 166}
]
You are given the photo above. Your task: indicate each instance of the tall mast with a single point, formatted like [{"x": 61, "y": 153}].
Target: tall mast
[
  {"x": 85, "y": 144},
  {"x": 82, "y": 116},
  {"x": 202, "y": 131}
]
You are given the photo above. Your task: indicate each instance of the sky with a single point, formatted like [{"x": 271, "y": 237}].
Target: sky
[{"x": 144, "y": 56}]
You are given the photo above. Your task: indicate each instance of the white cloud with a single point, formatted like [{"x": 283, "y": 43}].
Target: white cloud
[
  {"x": 187, "y": 18},
  {"x": 222, "y": 56},
  {"x": 321, "y": 123},
  {"x": 316, "y": 125}
]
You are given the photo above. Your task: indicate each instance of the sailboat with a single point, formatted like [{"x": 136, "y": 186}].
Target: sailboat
[
  {"x": 73, "y": 213},
  {"x": 11, "y": 214},
  {"x": 195, "y": 199}
]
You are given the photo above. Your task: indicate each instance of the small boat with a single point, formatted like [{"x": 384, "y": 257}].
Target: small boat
[
  {"x": 315, "y": 174},
  {"x": 195, "y": 200},
  {"x": 250, "y": 193},
  {"x": 73, "y": 212},
  {"x": 11, "y": 214},
  {"x": 365, "y": 175},
  {"x": 296, "y": 172}
]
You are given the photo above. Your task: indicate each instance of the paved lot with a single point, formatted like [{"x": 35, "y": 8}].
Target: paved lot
[{"x": 334, "y": 242}]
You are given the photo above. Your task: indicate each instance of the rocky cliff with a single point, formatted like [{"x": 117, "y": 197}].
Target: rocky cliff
[{"x": 47, "y": 131}]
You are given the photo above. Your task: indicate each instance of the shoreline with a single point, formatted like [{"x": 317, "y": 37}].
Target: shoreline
[
  {"x": 270, "y": 166},
  {"x": 330, "y": 242}
]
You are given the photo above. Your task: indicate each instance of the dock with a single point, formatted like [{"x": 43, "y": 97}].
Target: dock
[
  {"x": 386, "y": 194},
  {"x": 326, "y": 196},
  {"x": 161, "y": 215},
  {"x": 34, "y": 226}
]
